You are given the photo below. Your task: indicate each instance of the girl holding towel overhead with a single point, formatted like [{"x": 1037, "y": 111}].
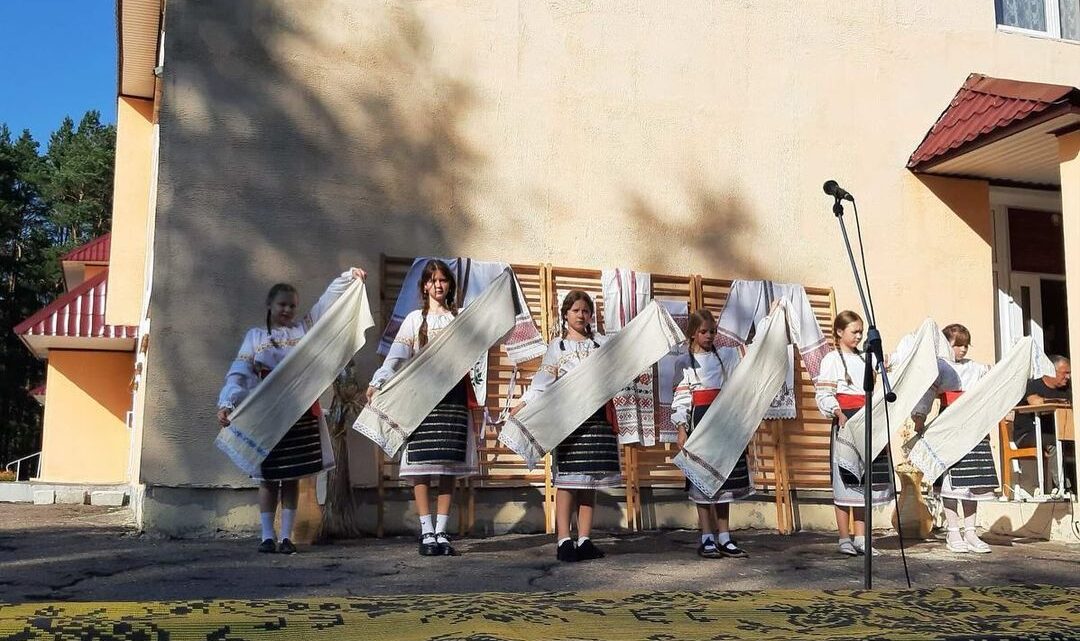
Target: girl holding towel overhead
[
  {"x": 840, "y": 396},
  {"x": 443, "y": 447},
  {"x": 700, "y": 373},
  {"x": 589, "y": 458},
  {"x": 305, "y": 448},
  {"x": 974, "y": 477}
]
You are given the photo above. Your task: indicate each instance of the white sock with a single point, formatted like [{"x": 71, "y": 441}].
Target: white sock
[
  {"x": 844, "y": 539},
  {"x": 969, "y": 515},
  {"x": 425, "y": 525},
  {"x": 266, "y": 519},
  {"x": 723, "y": 537},
  {"x": 707, "y": 538},
  {"x": 440, "y": 522},
  {"x": 860, "y": 541},
  {"x": 562, "y": 540},
  {"x": 288, "y": 517},
  {"x": 582, "y": 539}
]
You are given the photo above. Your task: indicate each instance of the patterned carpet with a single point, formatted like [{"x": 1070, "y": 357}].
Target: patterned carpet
[{"x": 1002, "y": 613}]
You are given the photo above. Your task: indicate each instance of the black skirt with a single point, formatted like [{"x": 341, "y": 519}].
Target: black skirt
[
  {"x": 590, "y": 449},
  {"x": 297, "y": 454},
  {"x": 739, "y": 479},
  {"x": 880, "y": 469},
  {"x": 443, "y": 437},
  {"x": 976, "y": 469}
]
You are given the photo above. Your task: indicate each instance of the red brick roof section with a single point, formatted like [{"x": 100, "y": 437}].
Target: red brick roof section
[
  {"x": 95, "y": 251},
  {"x": 77, "y": 313},
  {"x": 987, "y": 105}
]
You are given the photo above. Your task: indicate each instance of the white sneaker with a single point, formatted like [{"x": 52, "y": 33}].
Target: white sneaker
[
  {"x": 862, "y": 549},
  {"x": 975, "y": 544},
  {"x": 960, "y": 547},
  {"x": 847, "y": 548}
]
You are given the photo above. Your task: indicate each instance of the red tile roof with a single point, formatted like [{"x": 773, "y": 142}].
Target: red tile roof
[
  {"x": 78, "y": 313},
  {"x": 95, "y": 251},
  {"x": 987, "y": 105}
]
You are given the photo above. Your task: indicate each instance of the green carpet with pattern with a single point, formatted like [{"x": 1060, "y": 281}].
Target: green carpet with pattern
[{"x": 990, "y": 613}]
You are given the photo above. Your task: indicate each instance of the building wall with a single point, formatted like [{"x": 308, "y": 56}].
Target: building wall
[
  {"x": 131, "y": 207},
  {"x": 85, "y": 438},
  {"x": 298, "y": 138}
]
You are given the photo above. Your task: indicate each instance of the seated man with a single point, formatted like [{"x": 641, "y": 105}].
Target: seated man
[{"x": 1042, "y": 391}]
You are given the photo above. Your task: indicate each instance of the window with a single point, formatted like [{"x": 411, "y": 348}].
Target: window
[{"x": 1054, "y": 18}]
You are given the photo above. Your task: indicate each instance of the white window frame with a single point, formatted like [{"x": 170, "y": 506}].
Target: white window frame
[{"x": 1053, "y": 23}]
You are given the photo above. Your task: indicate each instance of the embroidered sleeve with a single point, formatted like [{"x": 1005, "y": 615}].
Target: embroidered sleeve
[
  {"x": 545, "y": 376},
  {"x": 401, "y": 351},
  {"x": 825, "y": 384},
  {"x": 241, "y": 378},
  {"x": 336, "y": 288},
  {"x": 681, "y": 400}
]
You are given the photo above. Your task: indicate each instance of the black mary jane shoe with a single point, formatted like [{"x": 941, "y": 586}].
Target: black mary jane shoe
[
  {"x": 268, "y": 546},
  {"x": 567, "y": 552},
  {"x": 428, "y": 545},
  {"x": 731, "y": 550},
  {"x": 287, "y": 547},
  {"x": 708, "y": 550},
  {"x": 586, "y": 551},
  {"x": 443, "y": 541}
]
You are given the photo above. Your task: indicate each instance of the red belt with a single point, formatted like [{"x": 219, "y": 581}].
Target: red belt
[
  {"x": 703, "y": 396},
  {"x": 851, "y": 401},
  {"x": 948, "y": 398}
]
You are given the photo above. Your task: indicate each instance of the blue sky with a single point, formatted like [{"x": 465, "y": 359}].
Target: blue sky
[{"x": 57, "y": 58}]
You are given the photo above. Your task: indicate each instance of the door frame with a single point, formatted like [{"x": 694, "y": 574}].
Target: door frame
[{"x": 1008, "y": 316}]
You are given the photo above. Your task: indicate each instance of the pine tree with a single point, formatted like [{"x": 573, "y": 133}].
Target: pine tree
[{"x": 48, "y": 204}]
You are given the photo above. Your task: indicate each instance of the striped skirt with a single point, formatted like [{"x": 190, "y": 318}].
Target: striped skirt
[
  {"x": 737, "y": 486},
  {"x": 973, "y": 477},
  {"x": 848, "y": 489},
  {"x": 589, "y": 457},
  {"x": 442, "y": 437},
  {"x": 297, "y": 454}
]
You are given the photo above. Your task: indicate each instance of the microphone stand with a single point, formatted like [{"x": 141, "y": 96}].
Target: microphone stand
[{"x": 874, "y": 354}]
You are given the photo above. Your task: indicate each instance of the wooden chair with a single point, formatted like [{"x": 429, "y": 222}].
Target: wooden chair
[{"x": 1009, "y": 453}]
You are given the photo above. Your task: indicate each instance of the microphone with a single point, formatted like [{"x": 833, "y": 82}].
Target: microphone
[{"x": 836, "y": 191}]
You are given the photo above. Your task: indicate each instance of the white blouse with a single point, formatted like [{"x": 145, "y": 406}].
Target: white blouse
[
  {"x": 558, "y": 361},
  {"x": 406, "y": 343},
  {"x": 969, "y": 371},
  {"x": 711, "y": 373},
  {"x": 833, "y": 379},
  {"x": 259, "y": 354}
]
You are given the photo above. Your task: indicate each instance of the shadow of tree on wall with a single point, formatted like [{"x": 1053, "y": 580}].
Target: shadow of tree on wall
[
  {"x": 714, "y": 237},
  {"x": 294, "y": 142}
]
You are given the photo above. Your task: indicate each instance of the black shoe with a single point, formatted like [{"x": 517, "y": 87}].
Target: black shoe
[
  {"x": 286, "y": 547},
  {"x": 428, "y": 545},
  {"x": 443, "y": 541},
  {"x": 268, "y": 546},
  {"x": 567, "y": 552},
  {"x": 732, "y": 550},
  {"x": 708, "y": 550},
  {"x": 586, "y": 551}
]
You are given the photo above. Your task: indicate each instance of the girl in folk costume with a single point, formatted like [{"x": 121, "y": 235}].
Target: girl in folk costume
[
  {"x": 974, "y": 477},
  {"x": 589, "y": 458},
  {"x": 305, "y": 448},
  {"x": 444, "y": 445},
  {"x": 840, "y": 397},
  {"x": 701, "y": 372}
]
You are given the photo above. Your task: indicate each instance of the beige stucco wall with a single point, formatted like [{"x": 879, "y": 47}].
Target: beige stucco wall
[
  {"x": 131, "y": 206},
  {"x": 85, "y": 438},
  {"x": 300, "y": 137}
]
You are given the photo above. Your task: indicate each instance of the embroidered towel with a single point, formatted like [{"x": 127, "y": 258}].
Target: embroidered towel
[{"x": 263, "y": 418}]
